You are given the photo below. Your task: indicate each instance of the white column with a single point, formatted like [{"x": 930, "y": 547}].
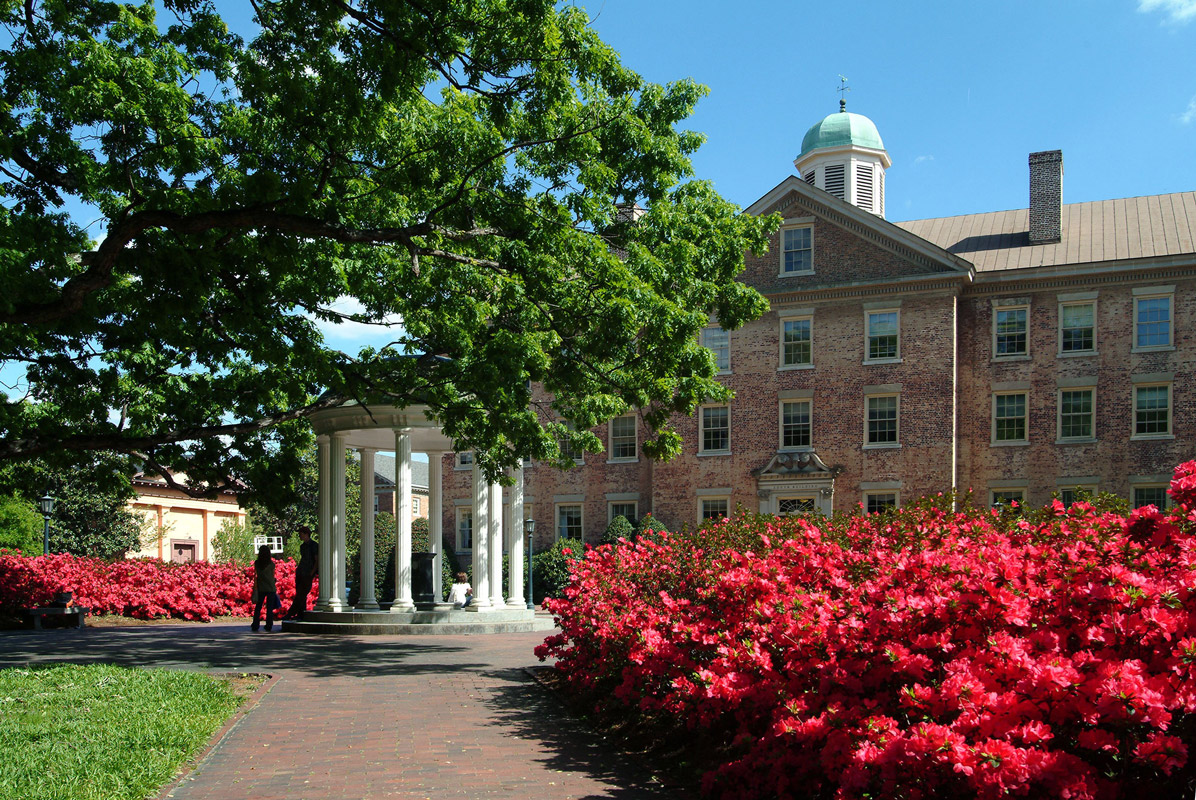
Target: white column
[
  {"x": 367, "y": 600},
  {"x": 495, "y": 545},
  {"x": 436, "y": 522},
  {"x": 481, "y": 541},
  {"x": 336, "y": 584},
  {"x": 403, "y": 602},
  {"x": 515, "y": 596},
  {"x": 324, "y": 522}
]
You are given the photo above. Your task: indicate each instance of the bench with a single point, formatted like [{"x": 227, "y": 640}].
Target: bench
[{"x": 36, "y": 614}]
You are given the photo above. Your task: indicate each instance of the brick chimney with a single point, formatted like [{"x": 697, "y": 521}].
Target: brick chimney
[{"x": 1046, "y": 196}]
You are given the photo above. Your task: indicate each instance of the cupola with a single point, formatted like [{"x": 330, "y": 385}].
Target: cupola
[{"x": 844, "y": 155}]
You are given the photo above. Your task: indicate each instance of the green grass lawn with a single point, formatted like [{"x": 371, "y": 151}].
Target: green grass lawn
[{"x": 100, "y": 731}]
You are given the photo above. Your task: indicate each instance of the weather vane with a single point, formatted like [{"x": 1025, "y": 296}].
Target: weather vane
[{"x": 843, "y": 90}]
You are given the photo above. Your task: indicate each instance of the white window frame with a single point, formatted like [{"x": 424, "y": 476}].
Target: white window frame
[
  {"x": 1089, "y": 488},
  {"x": 1025, "y": 395},
  {"x": 1144, "y": 294},
  {"x": 463, "y": 460},
  {"x": 415, "y": 503},
  {"x": 581, "y": 516},
  {"x": 580, "y": 458},
  {"x": 809, "y": 402},
  {"x": 1006, "y": 308},
  {"x": 461, "y": 546},
  {"x": 1167, "y": 434},
  {"x": 1135, "y": 488},
  {"x": 809, "y": 364},
  {"x": 275, "y": 543},
  {"x": 1059, "y": 437},
  {"x": 868, "y": 315},
  {"x": 885, "y": 493},
  {"x": 702, "y": 449},
  {"x": 812, "y": 499},
  {"x": 1008, "y": 490},
  {"x": 1065, "y": 304},
  {"x": 720, "y": 350},
  {"x": 806, "y": 224},
  {"x": 610, "y": 510},
  {"x": 868, "y": 445},
  {"x": 702, "y": 501},
  {"x": 611, "y": 439}
]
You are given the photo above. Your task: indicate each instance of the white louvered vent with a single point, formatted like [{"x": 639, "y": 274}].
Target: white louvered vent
[
  {"x": 882, "y": 192},
  {"x": 810, "y": 177},
  {"x": 835, "y": 174},
  {"x": 863, "y": 187}
]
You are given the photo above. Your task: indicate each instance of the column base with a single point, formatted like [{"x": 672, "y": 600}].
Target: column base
[
  {"x": 402, "y": 606},
  {"x": 513, "y": 603},
  {"x": 368, "y": 605},
  {"x": 480, "y": 609},
  {"x": 337, "y": 606}
]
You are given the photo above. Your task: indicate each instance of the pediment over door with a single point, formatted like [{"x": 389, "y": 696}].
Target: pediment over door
[{"x": 795, "y": 483}]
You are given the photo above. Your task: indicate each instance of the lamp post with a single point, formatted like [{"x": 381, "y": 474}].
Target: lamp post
[
  {"x": 46, "y": 504},
  {"x": 529, "y": 528}
]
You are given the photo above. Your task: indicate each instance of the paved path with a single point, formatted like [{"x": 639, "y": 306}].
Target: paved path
[{"x": 371, "y": 716}]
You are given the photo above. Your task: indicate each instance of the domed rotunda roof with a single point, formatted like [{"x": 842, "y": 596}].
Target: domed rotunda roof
[{"x": 842, "y": 129}]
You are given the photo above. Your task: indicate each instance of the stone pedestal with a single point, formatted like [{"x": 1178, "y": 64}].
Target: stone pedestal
[{"x": 422, "y": 588}]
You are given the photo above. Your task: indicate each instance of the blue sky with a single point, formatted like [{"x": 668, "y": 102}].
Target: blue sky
[{"x": 961, "y": 92}]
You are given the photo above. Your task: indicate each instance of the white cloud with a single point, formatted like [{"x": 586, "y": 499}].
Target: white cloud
[
  {"x": 1190, "y": 114},
  {"x": 921, "y": 159},
  {"x": 351, "y": 335},
  {"x": 1177, "y": 10}
]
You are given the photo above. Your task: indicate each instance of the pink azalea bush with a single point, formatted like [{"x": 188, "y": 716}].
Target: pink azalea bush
[
  {"x": 921, "y": 654},
  {"x": 141, "y": 588}
]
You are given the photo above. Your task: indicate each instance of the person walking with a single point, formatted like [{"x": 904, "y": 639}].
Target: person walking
[
  {"x": 305, "y": 573},
  {"x": 265, "y": 591}
]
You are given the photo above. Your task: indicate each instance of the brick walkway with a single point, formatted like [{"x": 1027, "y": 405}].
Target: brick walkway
[{"x": 370, "y": 717}]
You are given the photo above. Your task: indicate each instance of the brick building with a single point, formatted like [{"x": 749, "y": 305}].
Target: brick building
[{"x": 1015, "y": 353}]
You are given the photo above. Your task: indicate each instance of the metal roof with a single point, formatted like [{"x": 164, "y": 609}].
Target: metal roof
[{"x": 1105, "y": 230}]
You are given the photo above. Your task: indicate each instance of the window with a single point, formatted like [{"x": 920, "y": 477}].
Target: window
[
  {"x": 718, "y": 341},
  {"x": 568, "y": 449},
  {"x": 568, "y": 522},
  {"x": 274, "y": 542},
  {"x": 1075, "y": 494},
  {"x": 627, "y": 510},
  {"x": 464, "y": 530},
  {"x": 1152, "y": 411},
  {"x": 797, "y": 250},
  {"x": 794, "y": 505},
  {"x": 1075, "y": 414},
  {"x": 1007, "y": 497},
  {"x": 1152, "y": 321},
  {"x": 414, "y": 505},
  {"x": 1010, "y": 332},
  {"x": 1009, "y": 417},
  {"x": 883, "y": 338},
  {"x": 879, "y": 502},
  {"x": 882, "y": 420},
  {"x": 715, "y": 507},
  {"x": 716, "y": 429},
  {"x": 795, "y": 424},
  {"x": 622, "y": 439},
  {"x": 464, "y": 460},
  {"x": 795, "y": 342},
  {"x": 1150, "y": 496},
  {"x": 1077, "y": 328}
]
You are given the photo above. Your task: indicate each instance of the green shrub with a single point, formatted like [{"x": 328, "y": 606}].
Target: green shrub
[
  {"x": 233, "y": 543},
  {"x": 385, "y": 535},
  {"x": 550, "y": 573},
  {"x": 20, "y": 526},
  {"x": 619, "y": 528},
  {"x": 649, "y": 523}
]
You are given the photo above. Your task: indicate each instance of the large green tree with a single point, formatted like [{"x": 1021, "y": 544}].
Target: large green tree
[{"x": 470, "y": 168}]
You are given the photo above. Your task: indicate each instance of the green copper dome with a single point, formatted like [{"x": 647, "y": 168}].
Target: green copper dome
[{"x": 841, "y": 130}]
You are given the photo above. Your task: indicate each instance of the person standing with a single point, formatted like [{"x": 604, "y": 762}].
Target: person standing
[
  {"x": 265, "y": 591},
  {"x": 305, "y": 572}
]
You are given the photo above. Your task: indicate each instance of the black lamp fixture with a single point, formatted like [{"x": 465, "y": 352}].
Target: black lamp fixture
[
  {"x": 529, "y": 528},
  {"x": 45, "y": 503}
]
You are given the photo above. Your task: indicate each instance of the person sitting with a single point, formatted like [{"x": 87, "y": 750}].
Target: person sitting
[{"x": 461, "y": 593}]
